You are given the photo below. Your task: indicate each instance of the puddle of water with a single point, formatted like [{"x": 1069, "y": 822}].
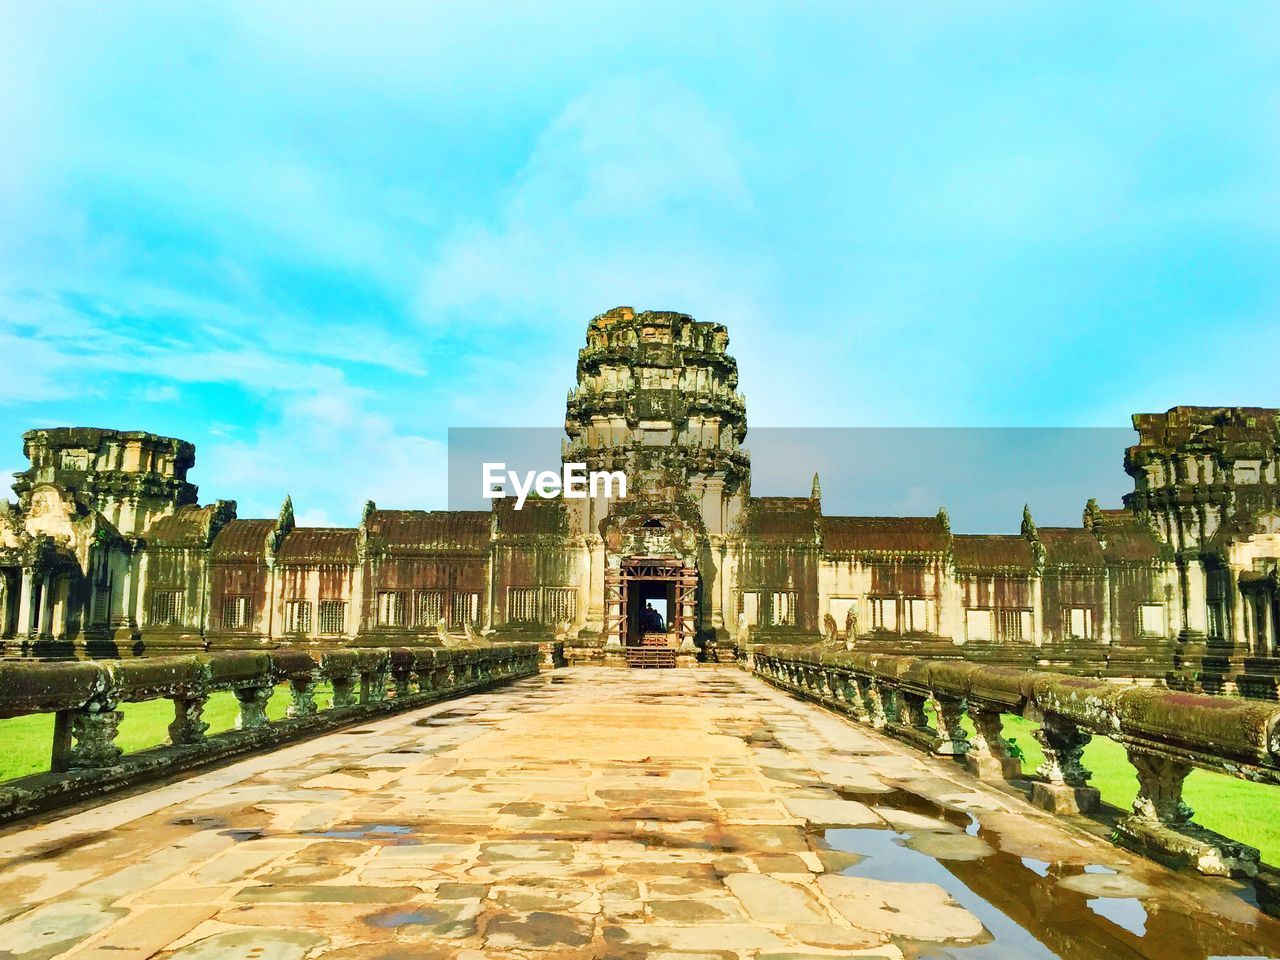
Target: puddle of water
[
  {"x": 1039, "y": 867},
  {"x": 359, "y": 831},
  {"x": 1127, "y": 912},
  {"x": 1028, "y": 913},
  {"x": 400, "y": 918}
]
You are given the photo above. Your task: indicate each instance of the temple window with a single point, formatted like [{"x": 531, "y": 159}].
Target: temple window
[
  {"x": 884, "y": 613},
  {"x": 166, "y": 607},
  {"x": 333, "y": 617},
  {"x": 391, "y": 608},
  {"x": 1015, "y": 625},
  {"x": 297, "y": 616},
  {"x": 1077, "y": 622},
  {"x": 978, "y": 625},
  {"x": 915, "y": 611},
  {"x": 1151, "y": 620},
  {"x": 562, "y": 604},
  {"x": 783, "y": 611},
  {"x": 749, "y": 605},
  {"x": 428, "y": 607},
  {"x": 235, "y": 612},
  {"x": 101, "y": 604},
  {"x": 1216, "y": 620},
  {"x": 466, "y": 608},
  {"x": 522, "y": 604}
]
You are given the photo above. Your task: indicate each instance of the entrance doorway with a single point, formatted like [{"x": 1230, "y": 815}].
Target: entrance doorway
[{"x": 651, "y": 601}]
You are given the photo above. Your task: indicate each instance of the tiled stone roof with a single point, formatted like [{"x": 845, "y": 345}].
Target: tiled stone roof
[
  {"x": 995, "y": 553},
  {"x": 319, "y": 545},
  {"x": 408, "y": 532},
  {"x": 885, "y": 535}
]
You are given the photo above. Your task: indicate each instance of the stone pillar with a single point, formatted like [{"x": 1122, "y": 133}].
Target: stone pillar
[
  {"x": 1106, "y": 606},
  {"x": 1037, "y": 611},
  {"x": 26, "y": 603},
  {"x": 94, "y": 731},
  {"x": 1161, "y": 824},
  {"x": 913, "y": 722},
  {"x": 989, "y": 757},
  {"x": 596, "y": 574},
  {"x": 302, "y": 697},
  {"x": 876, "y": 711},
  {"x": 948, "y": 713},
  {"x": 851, "y": 692},
  {"x": 188, "y": 725},
  {"x": 374, "y": 686},
  {"x": 1066, "y": 781},
  {"x": 1267, "y": 627},
  {"x": 1194, "y": 599},
  {"x": 346, "y": 693},
  {"x": 253, "y": 707},
  {"x": 45, "y": 611}
]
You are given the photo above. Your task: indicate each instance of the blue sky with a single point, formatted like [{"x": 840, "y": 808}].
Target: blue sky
[{"x": 311, "y": 237}]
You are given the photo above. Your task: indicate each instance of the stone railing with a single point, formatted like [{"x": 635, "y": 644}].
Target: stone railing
[
  {"x": 1165, "y": 733},
  {"x": 85, "y": 696}
]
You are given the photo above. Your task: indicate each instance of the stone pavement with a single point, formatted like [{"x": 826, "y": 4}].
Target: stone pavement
[{"x": 597, "y": 813}]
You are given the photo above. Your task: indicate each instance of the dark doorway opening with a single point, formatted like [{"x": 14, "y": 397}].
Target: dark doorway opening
[{"x": 658, "y": 594}]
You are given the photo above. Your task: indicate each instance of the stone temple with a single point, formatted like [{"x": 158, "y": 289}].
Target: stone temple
[{"x": 108, "y": 551}]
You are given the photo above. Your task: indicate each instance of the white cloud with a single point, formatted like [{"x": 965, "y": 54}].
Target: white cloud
[
  {"x": 325, "y": 448},
  {"x": 615, "y": 202}
]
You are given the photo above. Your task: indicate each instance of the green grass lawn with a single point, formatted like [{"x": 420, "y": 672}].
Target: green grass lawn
[{"x": 27, "y": 742}]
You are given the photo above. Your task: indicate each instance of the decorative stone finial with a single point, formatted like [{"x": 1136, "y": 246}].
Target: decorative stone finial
[
  {"x": 1092, "y": 517},
  {"x": 1029, "y": 525},
  {"x": 816, "y": 492}
]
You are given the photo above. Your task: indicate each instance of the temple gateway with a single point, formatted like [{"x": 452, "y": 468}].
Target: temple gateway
[{"x": 108, "y": 552}]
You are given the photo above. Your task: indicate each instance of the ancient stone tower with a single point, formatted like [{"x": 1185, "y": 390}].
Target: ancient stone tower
[{"x": 657, "y": 398}]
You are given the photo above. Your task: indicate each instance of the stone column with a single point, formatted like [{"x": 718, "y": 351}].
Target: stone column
[
  {"x": 1066, "y": 781},
  {"x": 94, "y": 731},
  {"x": 26, "y": 600},
  {"x": 1194, "y": 599},
  {"x": 989, "y": 757},
  {"x": 873, "y": 703},
  {"x": 253, "y": 707},
  {"x": 948, "y": 713},
  {"x": 302, "y": 693},
  {"x": 1161, "y": 823},
  {"x": 45, "y": 613},
  {"x": 188, "y": 725},
  {"x": 346, "y": 693}
]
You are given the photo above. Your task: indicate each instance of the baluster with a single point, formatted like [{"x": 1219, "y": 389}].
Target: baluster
[
  {"x": 346, "y": 690},
  {"x": 948, "y": 712},
  {"x": 253, "y": 707},
  {"x": 1161, "y": 822},
  {"x": 1065, "y": 788},
  {"x": 188, "y": 725},
  {"x": 93, "y": 732},
  {"x": 402, "y": 680},
  {"x": 374, "y": 685},
  {"x": 302, "y": 696},
  {"x": 989, "y": 756},
  {"x": 856, "y": 698}
]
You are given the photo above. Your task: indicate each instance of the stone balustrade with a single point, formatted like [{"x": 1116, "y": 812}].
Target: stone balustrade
[
  {"x": 85, "y": 697},
  {"x": 1165, "y": 733}
]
